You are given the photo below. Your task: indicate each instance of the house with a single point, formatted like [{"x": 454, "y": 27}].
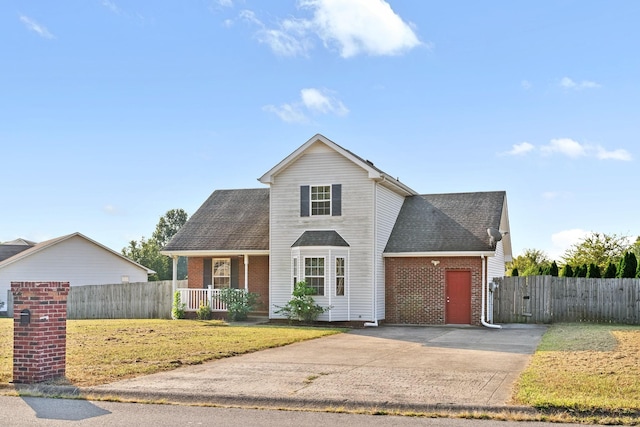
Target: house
[
  {"x": 73, "y": 258},
  {"x": 372, "y": 248}
]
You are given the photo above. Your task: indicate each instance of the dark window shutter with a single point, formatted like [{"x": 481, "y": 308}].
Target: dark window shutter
[
  {"x": 234, "y": 272},
  {"x": 304, "y": 200},
  {"x": 206, "y": 273},
  {"x": 336, "y": 199}
]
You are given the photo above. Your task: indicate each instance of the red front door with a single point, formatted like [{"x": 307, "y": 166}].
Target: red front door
[{"x": 458, "y": 293}]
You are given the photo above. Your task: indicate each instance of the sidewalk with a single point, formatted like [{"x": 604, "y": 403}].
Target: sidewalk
[{"x": 389, "y": 367}]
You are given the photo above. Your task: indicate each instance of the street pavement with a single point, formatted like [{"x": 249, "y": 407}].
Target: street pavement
[{"x": 388, "y": 367}]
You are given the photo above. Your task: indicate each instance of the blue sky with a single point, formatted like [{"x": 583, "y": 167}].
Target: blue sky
[{"x": 113, "y": 112}]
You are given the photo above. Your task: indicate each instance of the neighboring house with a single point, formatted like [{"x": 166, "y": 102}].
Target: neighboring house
[
  {"x": 371, "y": 247},
  {"x": 73, "y": 258}
]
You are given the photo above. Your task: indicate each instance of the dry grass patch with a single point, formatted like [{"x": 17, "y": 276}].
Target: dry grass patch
[
  {"x": 103, "y": 351},
  {"x": 586, "y": 368}
]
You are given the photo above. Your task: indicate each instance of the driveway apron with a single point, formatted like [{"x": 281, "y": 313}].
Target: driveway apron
[{"x": 388, "y": 366}]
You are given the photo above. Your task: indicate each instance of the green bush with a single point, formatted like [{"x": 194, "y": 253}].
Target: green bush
[
  {"x": 611, "y": 271},
  {"x": 302, "y": 306},
  {"x": 204, "y": 312},
  {"x": 239, "y": 302},
  {"x": 567, "y": 271},
  {"x": 178, "y": 308},
  {"x": 628, "y": 266}
]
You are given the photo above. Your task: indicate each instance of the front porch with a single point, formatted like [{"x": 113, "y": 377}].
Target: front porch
[{"x": 194, "y": 298}]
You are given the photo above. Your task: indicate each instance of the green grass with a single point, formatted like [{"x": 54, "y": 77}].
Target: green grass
[
  {"x": 585, "y": 368},
  {"x": 103, "y": 351}
]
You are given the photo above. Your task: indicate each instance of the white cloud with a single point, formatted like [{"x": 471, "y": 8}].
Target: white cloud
[
  {"x": 570, "y": 148},
  {"x": 111, "y": 210},
  {"x": 32, "y": 25},
  {"x": 619, "y": 154},
  {"x": 520, "y": 149},
  {"x": 569, "y": 83},
  {"x": 565, "y": 146},
  {"x": 290, "y": 113},
  {"x": 526, "y": 84},
  {"x": 353, "y": 27},
  {"x": 312, "y": 101},
  {"x": 321, "y": 102},
  {"x": 111, "y": 6},
  {"x": 563, "y": 240},
  {"x": 361, "y": 26}
]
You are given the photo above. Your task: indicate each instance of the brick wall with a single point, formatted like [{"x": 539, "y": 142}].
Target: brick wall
[
  {"x": 415, "y": 289},
  {"x": 39, "y": 348}
]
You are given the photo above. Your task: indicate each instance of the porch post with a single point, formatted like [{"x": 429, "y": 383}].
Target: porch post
[
  {"x": 246, "y": 272},
  {"x": 175, "y": 273}
]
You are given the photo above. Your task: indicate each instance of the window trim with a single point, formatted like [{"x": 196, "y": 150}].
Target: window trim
[
  {"x": 213, "y": 272},
  {"x": 328, "y": 209},
  {"x": 343, "y": 276},
  {"x": 323, "y": 277}
]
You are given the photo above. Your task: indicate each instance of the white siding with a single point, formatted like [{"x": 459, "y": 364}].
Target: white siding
[
  {"x": 496, "y": 263},
  {"x": 74, "y": 260},
  {"x": 388, "y": 205},
  {"x": 320, "y": 165}
]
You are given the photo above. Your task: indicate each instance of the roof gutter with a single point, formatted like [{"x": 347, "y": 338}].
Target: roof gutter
[
  {"x": 438, "y": 254},
  {"x": 214, "y": 252}
]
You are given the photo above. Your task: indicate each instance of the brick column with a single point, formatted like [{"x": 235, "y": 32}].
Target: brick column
[{"x": 39, "y": 347}]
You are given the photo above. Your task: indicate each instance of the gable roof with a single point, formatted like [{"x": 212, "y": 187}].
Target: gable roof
[
  {"x": 447, "y": 223},
  {"x": 229, "y": 221},
  {"x": 374, "y": 173},
  {"x": 38, "y": 247},
  {"x": 320, "y": 238},
  {"x": 7, "y": 251}
]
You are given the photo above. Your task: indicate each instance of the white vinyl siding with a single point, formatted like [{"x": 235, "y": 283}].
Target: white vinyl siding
[
  {"x": 75, "y": 260},
  {"x": 320, "y": 164},
  {"x": 496, "y": 264},
  {"x": 388, "y": 206}
]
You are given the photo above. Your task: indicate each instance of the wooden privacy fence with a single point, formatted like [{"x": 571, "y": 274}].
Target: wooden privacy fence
[
  {"x": 142, "y": 300},
  {"x": 547, "y": 299}
]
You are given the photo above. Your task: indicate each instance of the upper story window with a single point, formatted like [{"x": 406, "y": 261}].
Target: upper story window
[{"x": 321, "y": 200}]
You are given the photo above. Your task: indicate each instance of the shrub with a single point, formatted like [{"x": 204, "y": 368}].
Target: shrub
[
  {"x": 239, "y": 302},
  {"x": 514, "y": 272},
  {"x": 553, "y": 269},
  {"x": 593, "y": 271},
  {"x": 302, "y": 306},
  {"x": 178, "y": 308},
  {"x": 204, "y": 312}
]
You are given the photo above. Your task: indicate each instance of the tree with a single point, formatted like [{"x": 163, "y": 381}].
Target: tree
[
  {"x": 580, "y": 271},
  {"x": 553, "y": 269},
  {"x": 147, "y": 252},
  {"x": 530, "y": 262},
  {"x": 628, "y": 266},
  {"x": 567, "y": 271},
  {"x": 611, "y": 271},
  {"x": 514, "y": 272},
  {"x": 593, "y": 271},
  {"x": 597, "y": 248},
  {"x": 167, "y": 227}
]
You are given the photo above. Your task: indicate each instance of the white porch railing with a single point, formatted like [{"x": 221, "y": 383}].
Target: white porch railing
[{"x": 192, "y": 298}]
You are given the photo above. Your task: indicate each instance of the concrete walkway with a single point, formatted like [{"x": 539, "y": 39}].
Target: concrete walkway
[{"x": 391, "y": 367}]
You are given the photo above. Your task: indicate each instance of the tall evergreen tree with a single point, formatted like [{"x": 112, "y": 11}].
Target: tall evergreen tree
[
  {"x": 553, "y": 269},
  {"x": 514, "y": 272},
  {"x": 581, "y": 271},
  {"x": 567, "y": 271},
  {"x": 628, "y": 266},
  {"x": 593, "y": 271},
  {"x": 611, "y": 271}
]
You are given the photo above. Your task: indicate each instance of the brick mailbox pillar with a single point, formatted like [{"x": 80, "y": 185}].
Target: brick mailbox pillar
[{"x": 39, "y": 331}]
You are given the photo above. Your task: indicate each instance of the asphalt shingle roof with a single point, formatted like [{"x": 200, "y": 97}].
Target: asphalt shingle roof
[
  {"x": 455, "y": 222},
  {"x": 7, "y": 251},
  {"x": 228, "y": 220},
  {"x": 320, "y": 238}
]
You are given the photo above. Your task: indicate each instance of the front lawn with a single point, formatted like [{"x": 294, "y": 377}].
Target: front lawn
[
  {"x": 103, "y": 351},
  {"x": 586, "y": 368}
]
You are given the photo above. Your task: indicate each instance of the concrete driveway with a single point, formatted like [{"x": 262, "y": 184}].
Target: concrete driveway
[{"x": 385, "y": 367}]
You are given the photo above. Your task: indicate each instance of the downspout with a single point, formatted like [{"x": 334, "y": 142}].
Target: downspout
[
  {"x": 375, "y": 251},
  {"x": 246, "y": 272},
  {"x": 484, "y": 292}
]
